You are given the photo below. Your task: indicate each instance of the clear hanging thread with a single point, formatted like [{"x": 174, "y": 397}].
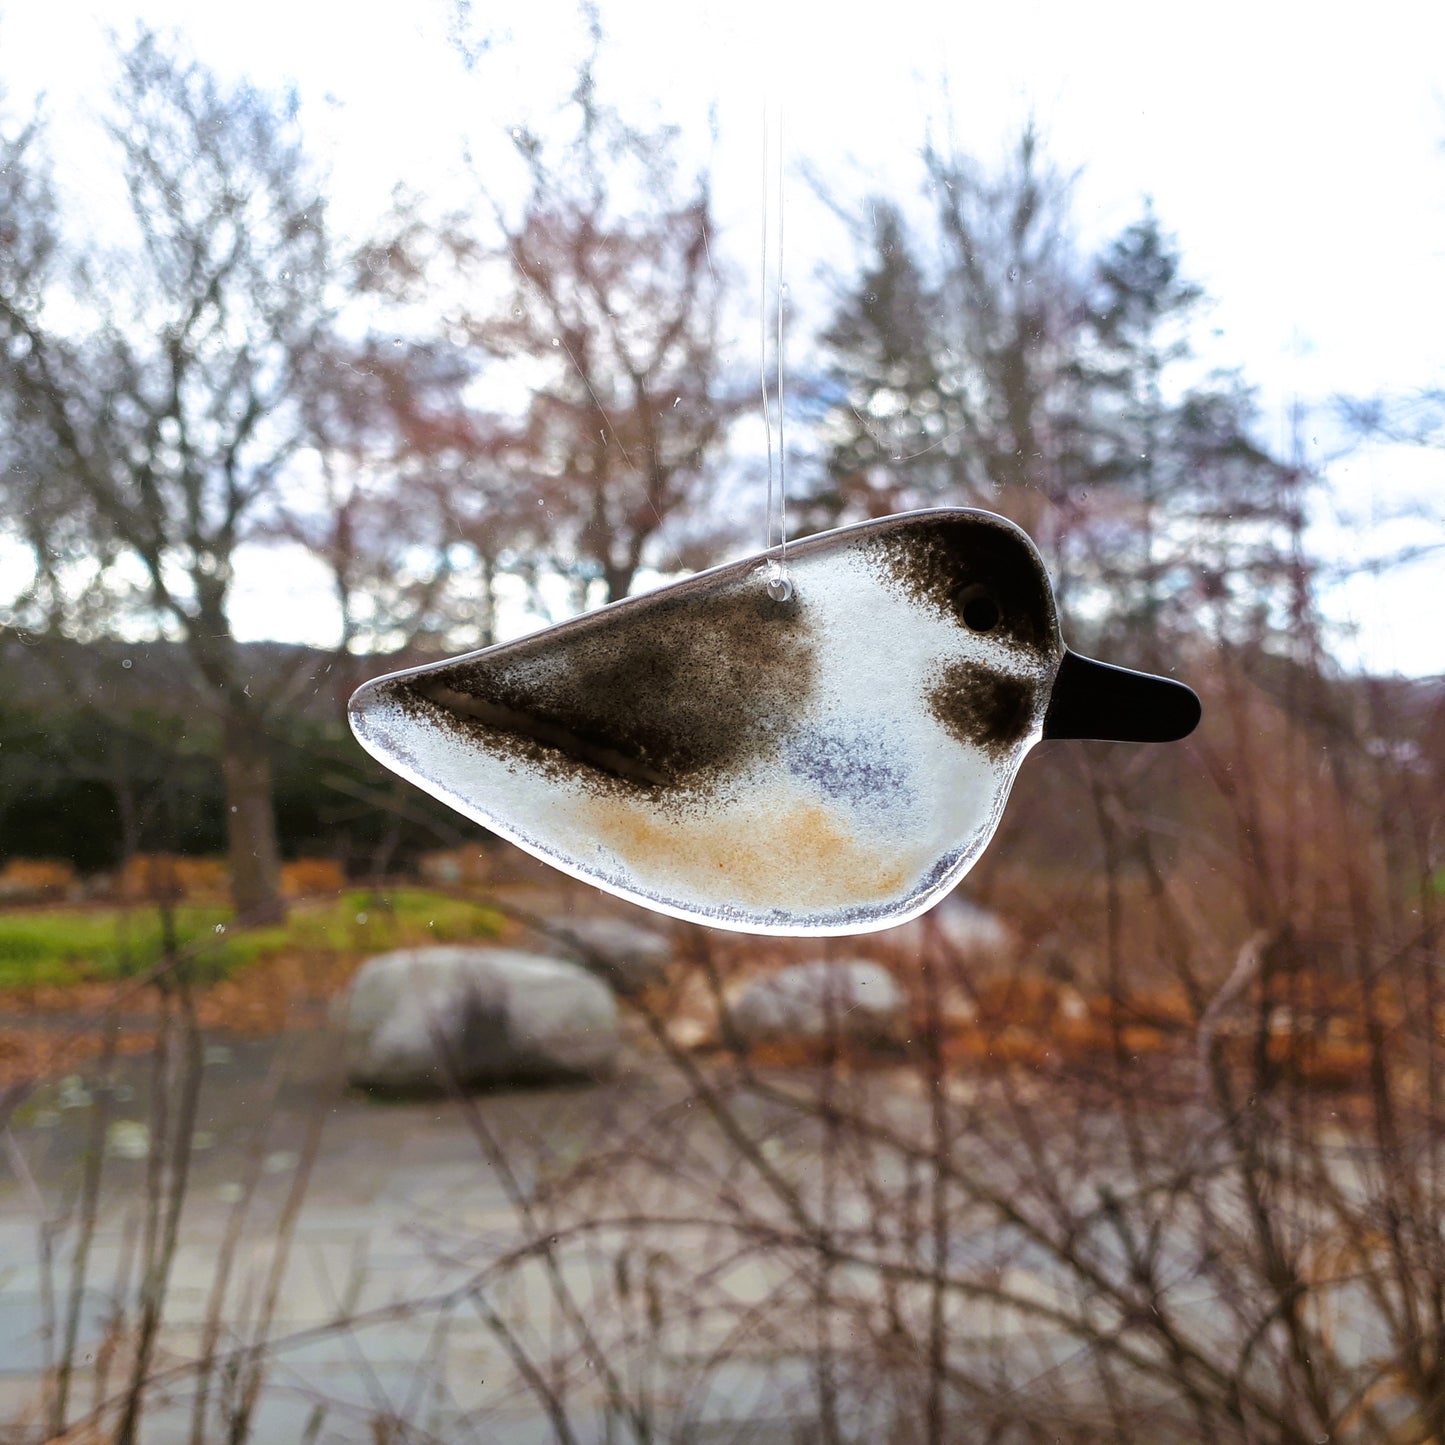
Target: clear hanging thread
[{"x": 779, "y": 584}]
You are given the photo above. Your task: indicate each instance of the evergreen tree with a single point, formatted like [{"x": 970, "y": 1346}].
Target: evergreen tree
[
  {"x": 886, "y": 424},
  {"x": 1186, "y": 505}
]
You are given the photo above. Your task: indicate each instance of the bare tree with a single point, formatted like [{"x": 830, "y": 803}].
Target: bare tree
[
  {"x": 624, "y": 302},
  {"x": 1009, "y": 315},
  {"x": 162, "y": 382},
  {"x": 607, "y": 293},
  {"x": 951, "y": 371},
  {"x": 405, "y": 517},
  {"x": 54, "y": 545}
]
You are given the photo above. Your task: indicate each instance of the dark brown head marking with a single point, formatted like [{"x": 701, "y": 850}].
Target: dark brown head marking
[
  {"x": 975, "y": 569},
  {"x": 992, "y": 711},
  {"x": 655, "y": 695}
]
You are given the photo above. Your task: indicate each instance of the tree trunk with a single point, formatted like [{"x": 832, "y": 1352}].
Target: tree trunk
[
  {"x": 618, "y": 577},
  {"x": 255, "y": 858}
]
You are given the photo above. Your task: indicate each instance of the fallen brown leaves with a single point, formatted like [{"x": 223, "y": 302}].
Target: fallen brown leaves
[
  {"x": 1036, "y": 1025},
  {"x": 53, "y": 1030},
  {"x": 26, "y": 1057}
]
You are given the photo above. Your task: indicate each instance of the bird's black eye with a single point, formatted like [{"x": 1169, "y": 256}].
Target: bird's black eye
[{"x": 977, "y": 607}]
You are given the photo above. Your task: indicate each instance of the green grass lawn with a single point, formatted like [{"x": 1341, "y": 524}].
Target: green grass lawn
[{"x": 74, "y": 945}]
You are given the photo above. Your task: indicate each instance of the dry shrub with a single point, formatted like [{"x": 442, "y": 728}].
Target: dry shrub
[
  {"x": 312, "y": 877},
  {"x": 1092, "y": 1037},
  {"x": 26, "y": 1056},
  {"x": 172, "y": 878},
  {"x": 1020, "y": 1001},
  {"x": 844, "y": 1054},
  {"x": 1168, "y": 1009},
  {"x": 1320, "y": 1063},
  {"x": 974, "y": 1048},
  {"x": 36, "y": 880},
  {"x": 1178, "y": 1177},
  {"x": 1063, "y": 918}
]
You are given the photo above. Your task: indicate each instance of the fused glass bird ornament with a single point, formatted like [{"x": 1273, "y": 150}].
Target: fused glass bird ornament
[{"x": 826, "y": 759}]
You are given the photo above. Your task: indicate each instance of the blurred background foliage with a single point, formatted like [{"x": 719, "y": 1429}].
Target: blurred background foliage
[
  {"x": 1205, "y": 1088},
  {"x": 485, "y": 414}
]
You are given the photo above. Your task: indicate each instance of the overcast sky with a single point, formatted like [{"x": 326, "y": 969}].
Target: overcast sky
[{"x": 1297, "y": 152}]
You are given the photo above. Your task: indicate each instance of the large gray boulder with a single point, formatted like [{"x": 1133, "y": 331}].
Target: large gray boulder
[
  {"x": 840, "y": 999},
  {"x": 487, "y": 1015},
  {"x": 966, "y": 932},
  {"x": 629, "y": 956}
]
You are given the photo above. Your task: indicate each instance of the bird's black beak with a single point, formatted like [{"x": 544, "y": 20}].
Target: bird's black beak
[{"x": 1093, "y": 700}]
